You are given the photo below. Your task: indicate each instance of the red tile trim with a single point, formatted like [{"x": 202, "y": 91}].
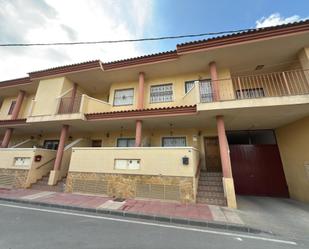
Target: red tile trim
[
  {"x": 12, "y": 122},
  {"x": 170, "y": 111}
]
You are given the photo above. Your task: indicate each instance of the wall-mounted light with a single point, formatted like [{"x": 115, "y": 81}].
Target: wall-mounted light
[
  {"x": 70, "y": 138},
  {"x": 107, "y": 134},
  {"x": 259, "y": 67},
  {"x": 199, "y": 133},
  {"x": 171, "y": 129}
]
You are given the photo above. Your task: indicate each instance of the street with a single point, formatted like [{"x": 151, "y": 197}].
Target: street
[{"x": 24, "y": 226}]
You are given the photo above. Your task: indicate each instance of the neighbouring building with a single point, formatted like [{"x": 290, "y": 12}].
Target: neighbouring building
[{"x": 202, "y": 123}]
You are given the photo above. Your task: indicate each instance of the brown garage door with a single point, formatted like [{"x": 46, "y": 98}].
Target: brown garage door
[{"x": 257, "y": 170}]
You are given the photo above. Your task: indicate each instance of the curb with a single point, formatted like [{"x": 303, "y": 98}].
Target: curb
[{"x": 150, "y": 217}]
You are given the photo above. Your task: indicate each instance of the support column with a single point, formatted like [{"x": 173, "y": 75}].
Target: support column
[
  {"x": 228, "y": 182},
  {"x": 15, "y": 113},
  {"x": 138, "y": 133},
  {"x": 140, "y": 95},
  {"x": 17, "y": 107},
  {"x": 214, "y": 80},
  {"x": 7, "y": 138},
  {"x": 72, "y": 100},
  {"x": 54, "y": 176}
]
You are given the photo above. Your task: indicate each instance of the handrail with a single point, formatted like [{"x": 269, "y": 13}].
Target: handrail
[
  {"x": 45, "y": 163},
  {"x": 97, "y": 100},
  {"x": 73, "y": 143},
  {"x": 63, "y": 94},
  {"x": 21, "y": 143}
]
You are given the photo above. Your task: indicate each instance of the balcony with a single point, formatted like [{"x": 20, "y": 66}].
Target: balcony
[
  {"x": 274, "y": 84},
  {"x": 69, "y": 105}
]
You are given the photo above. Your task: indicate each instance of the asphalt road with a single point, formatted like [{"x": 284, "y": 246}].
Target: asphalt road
[{"x": 23, "y": 226}]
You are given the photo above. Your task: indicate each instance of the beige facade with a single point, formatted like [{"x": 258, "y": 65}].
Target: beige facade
[{"x": 254, "y": 84}]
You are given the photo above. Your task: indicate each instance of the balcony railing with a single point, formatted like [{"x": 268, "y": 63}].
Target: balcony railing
[
  {"x": 69, "y": 105},
  {"x": 275, "y": 84}
]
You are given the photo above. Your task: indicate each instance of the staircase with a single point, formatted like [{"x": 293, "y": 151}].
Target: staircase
[
  {"x": 43, "y": 185},
  {"x": 210, "y": 189}
]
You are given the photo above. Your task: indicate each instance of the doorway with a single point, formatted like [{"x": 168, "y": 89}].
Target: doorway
[
  {"x": 212, "y": 154},
  {"x": 256, "y": 163}
]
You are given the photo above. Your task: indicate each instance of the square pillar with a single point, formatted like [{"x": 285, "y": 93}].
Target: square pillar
[
  {"x": 7, "y": 138},
  {"x": 60, "y": 150},
  {"x": 8, "y": 133},
  {"x": 72, "y": 100},
  {"x": 228, "y": 182},
  {"x": 214, "y": 80},
  {"x": 138, "y": 133},
  {"x": 140, "y": 94}
]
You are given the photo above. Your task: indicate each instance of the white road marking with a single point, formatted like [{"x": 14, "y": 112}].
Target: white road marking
[{"x": 154, "y": 224}]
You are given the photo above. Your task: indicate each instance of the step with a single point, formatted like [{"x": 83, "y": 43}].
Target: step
[
  {"x": 210, "y": 178},
  {"x": 210, "y": 183},
  {"x": 203, "y": 173},
  {"x": 212, "y": 201},
  {"x": 210, "y": 188},
  {"x": 210, "y": 194}
]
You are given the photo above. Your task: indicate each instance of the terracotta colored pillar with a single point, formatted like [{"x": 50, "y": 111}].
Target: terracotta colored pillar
[
  {"x": 17, "y": 107},
  {"x": 72, "y": 100},
  {"x": 7, "y": 138},
  {"x": 224, "y": 148},
  {"x": 63, "y": 137},
  {"x": 141, "y": 83},
  {"x": 15, "y": 113},
  {"x": 138, "y": 133},
  {"x": 214, "y": 80}
]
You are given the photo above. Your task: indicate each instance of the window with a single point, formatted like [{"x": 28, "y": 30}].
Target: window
[
  {"x": 96, "y": 143},
  {"x": 125, "y": 142},
  {"x": 189, "y": 85},
  {"x": 174, "y": 141},
  {"x": 250, "y": 93},
  {"x": 123, "y": 97},
  {"x": 161, "y": 93},
  {"x": 206, "y": 91},
  {"x": 12, "y": 107},
  {"x": 51, "y": 144}
]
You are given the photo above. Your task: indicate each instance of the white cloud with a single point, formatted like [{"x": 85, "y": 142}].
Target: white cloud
[
  {"x": 276, "y": 19},
  {"x": 70, "y": 20}
]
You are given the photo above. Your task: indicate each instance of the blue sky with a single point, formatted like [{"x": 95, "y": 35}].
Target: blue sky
[{"x": 91, "y": 20}]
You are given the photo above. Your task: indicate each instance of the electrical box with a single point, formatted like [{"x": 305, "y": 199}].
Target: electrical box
[{"x": 185, "y": 160}]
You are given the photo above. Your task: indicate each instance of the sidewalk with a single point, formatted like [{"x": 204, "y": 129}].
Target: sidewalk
[{"x": 193, "y": 214}]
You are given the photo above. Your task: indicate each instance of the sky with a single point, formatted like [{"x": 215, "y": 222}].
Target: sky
[{"x": 35, "y": 21}]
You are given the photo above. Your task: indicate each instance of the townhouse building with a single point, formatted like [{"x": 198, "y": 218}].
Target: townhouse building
[{"x": 200, "y": 124}]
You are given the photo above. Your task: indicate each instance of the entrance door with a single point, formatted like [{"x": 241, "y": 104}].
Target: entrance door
[
  {"x": 212, "y": 154},
  {"x": 257, "y": 167}
]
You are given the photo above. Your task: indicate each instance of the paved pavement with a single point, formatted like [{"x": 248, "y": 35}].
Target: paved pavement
[
  {"x": 280, "y": 215},
  {"x": 27, "y": 227},
  {"x": 201, "y": 212}
]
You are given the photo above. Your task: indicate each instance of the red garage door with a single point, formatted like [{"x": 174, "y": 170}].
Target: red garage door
[{"x": 257, "y": 170}]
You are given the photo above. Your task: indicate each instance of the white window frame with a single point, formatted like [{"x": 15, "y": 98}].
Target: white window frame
[
  {"x": 158, "y": 85},
  {"x": 187, "y": 82},
  {"x": 120, "y": 90},
  {"x": 127, "y": 138},
  {"x": 168, "y": 137}
]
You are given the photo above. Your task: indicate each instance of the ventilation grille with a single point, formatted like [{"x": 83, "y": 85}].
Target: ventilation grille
[
  {"x": 7, "y": 180},
  {"x": 158, "y": 191},
  {"x": 89, "y": 186}
]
